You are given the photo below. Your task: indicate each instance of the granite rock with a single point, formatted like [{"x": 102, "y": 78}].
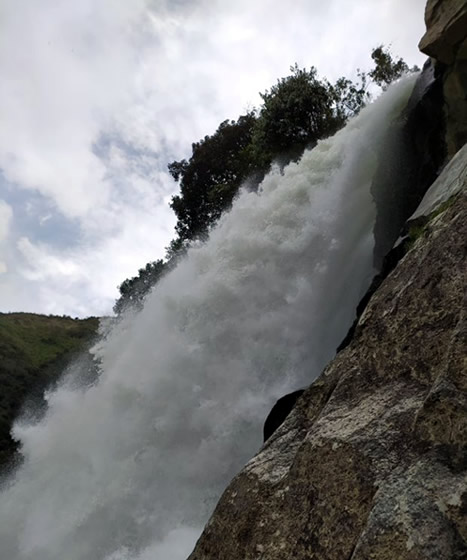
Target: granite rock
[{"x": 446, "y": 42}]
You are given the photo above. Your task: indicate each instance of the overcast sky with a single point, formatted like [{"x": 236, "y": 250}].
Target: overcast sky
[{"x": 97, "y": 96}]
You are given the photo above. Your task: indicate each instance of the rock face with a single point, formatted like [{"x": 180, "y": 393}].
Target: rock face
[
  {"x": 446, "y": 22},
  {"x": 446, "y": 42},
  {"x": 416, "y": 142},
  {"x": 372, "y": 461}
]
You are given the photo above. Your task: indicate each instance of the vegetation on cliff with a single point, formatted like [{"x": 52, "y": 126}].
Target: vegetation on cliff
[{"x": 34, "y": 349}]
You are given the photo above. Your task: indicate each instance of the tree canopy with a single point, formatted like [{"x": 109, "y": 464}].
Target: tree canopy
[
  {"x": 386, "y": 69},
  {"x": 211, "y": 177},
  {"x": 295, "y": 113},
  {"x": 134, "y": 290}
]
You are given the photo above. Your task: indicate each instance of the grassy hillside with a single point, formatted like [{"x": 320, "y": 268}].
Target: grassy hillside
[{"x": 34, "y": 349}]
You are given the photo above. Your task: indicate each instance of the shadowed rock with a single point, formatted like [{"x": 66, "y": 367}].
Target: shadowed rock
[
  {"x": 279, "y": 413},
  {"x": 446, "y": 42}
]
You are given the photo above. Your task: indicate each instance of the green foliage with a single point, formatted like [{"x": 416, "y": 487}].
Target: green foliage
[
  {"x": 176, "y": 249},
  {"x": 34, "y": 349},
  {"x": 416, "y": 231},
  {"x": 296, "y": 112},
  {"x": 349, "y": 97},
  {"x": 387, "y": 69},
  {"x": 211, "y": 177},
  {"x": 134, "y": 290},
  {"x": 421, "y": 226}
]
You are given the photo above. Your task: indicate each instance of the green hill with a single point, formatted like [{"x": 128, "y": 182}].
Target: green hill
[{"x": 34, "y": 350}]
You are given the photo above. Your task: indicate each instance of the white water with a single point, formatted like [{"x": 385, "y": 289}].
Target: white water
[{"x": 131, "y": 467}]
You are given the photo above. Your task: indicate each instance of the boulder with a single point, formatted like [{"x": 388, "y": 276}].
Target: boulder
[{"x": 446, "y": 22}]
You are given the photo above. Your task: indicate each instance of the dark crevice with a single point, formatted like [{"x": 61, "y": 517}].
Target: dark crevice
[
  {"x": 413, "y": 157},
  {"x": 279, "y": 413},
  {"x": 418, "y": 153}
]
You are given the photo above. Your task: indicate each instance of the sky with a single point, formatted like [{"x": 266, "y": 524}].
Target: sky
[{"x": 98, "y": 96}]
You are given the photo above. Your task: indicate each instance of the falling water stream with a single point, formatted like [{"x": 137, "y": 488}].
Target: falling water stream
[{"x": 130, "y": 467}]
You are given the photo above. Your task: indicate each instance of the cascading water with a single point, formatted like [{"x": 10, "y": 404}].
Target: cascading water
[{"x": 130, "y": 467}]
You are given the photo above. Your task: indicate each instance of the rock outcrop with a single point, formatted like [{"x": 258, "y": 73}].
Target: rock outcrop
[
  {"x": 372, "y": 461},
  {"x": 446, "y": 21},
  {"x": 416, "y": 142},
  {"x": 279, "y": 413},
  {"x": 446, "y": 42}
]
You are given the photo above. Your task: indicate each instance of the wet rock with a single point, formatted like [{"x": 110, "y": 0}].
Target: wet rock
[
  {"x": 372, "y": 462},
  {"x": 455, "y": 94},
  {"x": 440, "y": 193},
  {"x": 449, "y": 184},
  {"x": 446, "y": 42},
  {"x": 416, "y": 150}
]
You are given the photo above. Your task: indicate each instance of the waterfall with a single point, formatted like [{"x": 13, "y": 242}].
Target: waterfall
[{"x": 130, "y": 466}]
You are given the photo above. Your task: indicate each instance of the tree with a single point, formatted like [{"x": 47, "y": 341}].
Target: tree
[
  {"x": 387, "y": 69},
  {"x": 349, "y": 97},
  {"x": 177, "y": 248},
  {"x": 296, "y": 112},
  {"x": 211, "y": 177},
  {"x": 134, "y": 290}
]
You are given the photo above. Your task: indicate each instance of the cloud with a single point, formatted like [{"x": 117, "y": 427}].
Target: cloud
[
  {"x": 63, "y": 64},
  {"x": 98, "y": 96},
  {"x": 6, "y": 215},
  {"x": 83, "y": 280}
]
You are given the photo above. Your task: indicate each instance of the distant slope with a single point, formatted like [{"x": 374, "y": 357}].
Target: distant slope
[{"x": 34, "y": 349}]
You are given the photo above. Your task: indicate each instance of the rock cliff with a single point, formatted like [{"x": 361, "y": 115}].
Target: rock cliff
[
  {"x": 372, "y": 460},
  {"x": 446, "y": 42}
]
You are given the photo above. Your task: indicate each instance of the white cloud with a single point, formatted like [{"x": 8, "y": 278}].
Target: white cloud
[
  {"x": 84, "y": 280},
  {"x": 97, "y": 97},
  {"x": 63, "y": 64},
  {"x": 6, "y": 215}
]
